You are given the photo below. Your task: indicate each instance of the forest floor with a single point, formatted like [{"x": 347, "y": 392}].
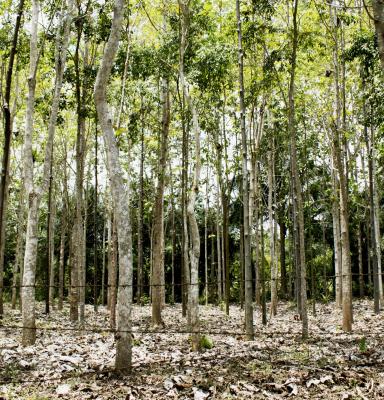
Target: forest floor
[{"x": 69, "y": 364}]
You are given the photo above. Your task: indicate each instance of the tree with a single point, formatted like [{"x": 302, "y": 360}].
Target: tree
[
  {"x": 247, "y": 245},
  {"x": 158, "y": 281},
  {"x": 297, "y": 190},
  {"x": 7, "y": 145},
  {"x": 33, "y": 190},
  {"x": 119, "y": 191},
  {"x": 378, "y": 16}
]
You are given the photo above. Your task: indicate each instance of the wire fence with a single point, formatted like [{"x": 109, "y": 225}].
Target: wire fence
[
  {"x": 315, "y": 337},
  {"x": 186, "y": 284},
  {"x": 273, "y": 351}
]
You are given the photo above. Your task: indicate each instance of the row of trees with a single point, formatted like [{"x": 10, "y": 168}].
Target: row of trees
[{"x": 240, "y": 157}]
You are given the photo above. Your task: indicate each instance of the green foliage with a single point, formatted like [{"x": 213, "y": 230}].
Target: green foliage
[
  {"x": 363, "y": 345},
  {"x": 206, "y": 342}
]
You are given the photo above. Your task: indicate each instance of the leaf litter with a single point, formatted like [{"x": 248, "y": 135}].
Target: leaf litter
[{"x": 78, "y": 364}]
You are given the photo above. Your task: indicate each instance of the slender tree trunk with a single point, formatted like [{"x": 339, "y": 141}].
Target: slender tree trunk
[
  {"x": 374, "y": 246},
  {"x": 140, "y": 211},
  {"x": 218, "y": 244},
  {"x": 194, "y": 251},
  {"x": 297, "y": 191},
  {"x": 18, "y": 265},
  {"x": 62, "y": 260},
  {"x": 378, "y": 14},
  {"x": 112, "y": 274},
  {"x": 34, "y": 193},
  {"x": 344, "y": 217},
  {"x": 283, "y": 267},
  {"x": 336, "y": 237},
  {"x": 272, "y": 236},
  {"x": 103, "y": 268},
  {"x": 376, "y": 215},
  {"x": 7, "y": 145},
  {"x": 95, "y": 209},
  {"x": 158, "y": 281},
  {"x": 241, "y": 256},
  {"x": 247, "y": 245},
  {"x": 173, "y": 228},
  {"x": 206, "y": 239},
  {"x": 263, "y": 274},
  {"x": 185, "y": 271},
  {"x": 77, "y": 294},
  {"x": 83, "y": 271},
  {"x": 51, "y": 242},
  {"x": 119, "y": 195},
  {"x": 360, "y": 257}
]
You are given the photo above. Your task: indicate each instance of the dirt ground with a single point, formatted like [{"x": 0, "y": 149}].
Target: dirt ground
[{"x": 70, "y": 364}]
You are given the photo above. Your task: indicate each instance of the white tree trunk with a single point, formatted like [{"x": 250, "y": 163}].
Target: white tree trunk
[
  {"x": 119, "y": 191},
  {"x": 336, "y": 238},
  {"x": 33, "y": 192}
]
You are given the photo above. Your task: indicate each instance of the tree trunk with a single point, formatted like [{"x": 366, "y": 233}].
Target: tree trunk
[
  {"x": 158, "y": 281},
  {"x": 120, "y": 196},
  {"x": 51, "y": 242},
  {"x": 374, "y": 247},
  {"x": 241, "y": 256},
  {"x": 34, "y": 193},
  {"x": 185, "y": 271},
  {"x": 206, "y": 238},
  {"x": 262, "y": 273},
  {"x": 7, "y": 145},
  {"x": 378, "y": 14},
  {"x": 376, "y": 214},
  {"x": 336, "y": 237},
  {"x": 218, "y": 244},
  {"x": 360, "y": 257},
  {"x": 140, "y": 211},
  {"x": 173, "y": 228},
  {"x": 194, "y": 251},
  {"x": 95, "y": 209},
  {"x": 77, "y": 265},
  {"x": 112, "y": 274},
  {"x": 103, "y": 268},
  {"x": 247, "y": 245},
  {"x": 62, "y": 260},
  {"x": 344, "y": 217},
  {"x": 18, "y": 265},
  {"x": 297, "y": 192},
  {"x": 283, "y": 231},
  {"x": 272, "y": 236}
]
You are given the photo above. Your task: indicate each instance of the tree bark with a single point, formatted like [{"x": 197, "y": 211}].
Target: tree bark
[
  {"x": 218, "y": 244},
  {"x": 7, "y": 145},
  {"x": 194, "y": 250},
  {"x": 344, "y": 214},
  {"x": 247, "y": 245},
  {"x": 158, "y": 281},
  {"x": 119, "y": 190},
  {"x": 95, "y": 242},
  {"x": 297, "y": 191},
  {"x": 51, "y": 242},
  {"x": 336, "y": 237},
  {"x": 140, "y": 225},
  {"x": 34, "y": 192},
  {"x": 77, "y": 294},
  {"x": 18, "y": 266},
  {"x": 378, "y": 14},
  {"x": 360, "y": 258},
  {"x": 272, "y": 236}
]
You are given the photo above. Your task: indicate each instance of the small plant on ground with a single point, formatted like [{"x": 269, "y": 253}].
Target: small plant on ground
[{"x": 206, "y": 342}]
